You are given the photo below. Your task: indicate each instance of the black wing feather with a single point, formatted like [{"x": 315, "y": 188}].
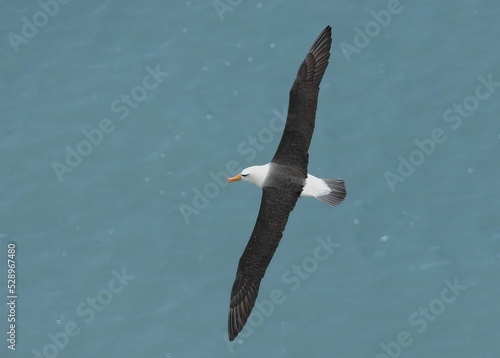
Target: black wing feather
[
  {"x": 275, "y": 207},
  {"x": 299, "y": 127}
]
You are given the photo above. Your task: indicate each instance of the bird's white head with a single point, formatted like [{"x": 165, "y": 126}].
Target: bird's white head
[{"x": 255, "y": 175}]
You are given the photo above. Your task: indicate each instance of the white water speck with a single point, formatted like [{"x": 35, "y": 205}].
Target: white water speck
[
  {"x": 163, "y": 155},
  {"x": 209, "y": 116},
  {"x": 384, "y": 238},
  {"x": 356, "y": 221},
  {"x": 259, "y": 5},
  {"x": 470, "y": 170},
  {"x": 111, "y": 231},
  {"x": 205, "y": 68},
  {"x": 250, "y": 59},
  {"x": 272, "y": 45}
]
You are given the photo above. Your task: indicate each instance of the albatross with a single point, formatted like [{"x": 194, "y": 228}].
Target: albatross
[{"x": 283, "y": 181}]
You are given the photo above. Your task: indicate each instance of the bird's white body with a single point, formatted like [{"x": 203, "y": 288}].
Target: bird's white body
[{"x": 314, "y": 187}]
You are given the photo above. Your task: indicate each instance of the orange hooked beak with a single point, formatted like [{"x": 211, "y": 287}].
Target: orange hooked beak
[{"x": 235, "y": 178}]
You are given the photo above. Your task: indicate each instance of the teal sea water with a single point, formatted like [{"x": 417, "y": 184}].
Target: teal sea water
[{"x": 120, "y": 120}]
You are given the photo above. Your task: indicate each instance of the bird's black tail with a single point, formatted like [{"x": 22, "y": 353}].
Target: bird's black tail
[{"x": 337, "y": 194}]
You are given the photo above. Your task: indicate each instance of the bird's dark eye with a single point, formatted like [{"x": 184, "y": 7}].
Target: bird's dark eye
[{"x": 244, "y": 175}]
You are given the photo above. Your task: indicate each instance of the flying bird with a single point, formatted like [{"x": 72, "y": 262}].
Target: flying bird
[{"x": 283, "y": 181}]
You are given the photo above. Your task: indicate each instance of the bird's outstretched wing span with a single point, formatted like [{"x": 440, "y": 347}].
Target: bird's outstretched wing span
[
  {"x": 275, "y": 207},
  {"x": 299, "y": 127},
  {"x": 279, "y": 200}
]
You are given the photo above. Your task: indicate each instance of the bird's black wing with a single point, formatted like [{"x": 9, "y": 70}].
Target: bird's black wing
[
  {"x": 299, "y": 127},
  {"x": 275, "y": 207},
  {"x": 279, "y": 200}
]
